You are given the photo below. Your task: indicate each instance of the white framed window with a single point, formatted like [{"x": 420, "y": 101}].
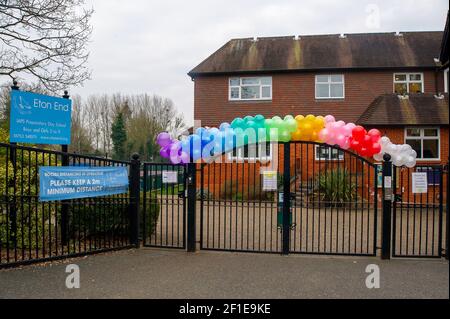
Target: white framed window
[
  {"x": 326, "y": 153},
  {"x": 446, "y": 80},
  {"x": 250, "y": 88},
  {"x": 408, "y": 83},
  {"x": 252, "y": 153},
  {"x": 330, "y": 86},
  {"x": 425, "y": 141}
]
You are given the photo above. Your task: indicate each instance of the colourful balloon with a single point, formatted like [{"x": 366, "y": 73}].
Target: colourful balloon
[{"x": 163, "y": 139}]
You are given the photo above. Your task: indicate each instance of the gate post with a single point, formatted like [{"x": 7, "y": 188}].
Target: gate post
[
  {"x": 286, "y": 198},
  {"x": 135, "y": 190},
  {"x": 192, "y": 201},
  {"x": 445, "y": 172},
  {"x": 64, "y": 203},
  {"x": 12, "y": 203},
  {"x": 387, "y": 206}
]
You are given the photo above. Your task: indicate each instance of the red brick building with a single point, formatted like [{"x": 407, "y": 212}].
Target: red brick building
[
  {"x": 355, "y": 77},
  {"x": 396, "y": 82}
]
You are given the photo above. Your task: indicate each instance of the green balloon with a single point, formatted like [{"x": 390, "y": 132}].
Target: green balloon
[
  {"x": 284, "y": 136},
  {"x": 288, "y": 117},
  {"x": 237, "y": 123},
  {"x": 291, "y": 125},
  {"x": 259, "y": 119},
  {"x": 248, "y": 118}
]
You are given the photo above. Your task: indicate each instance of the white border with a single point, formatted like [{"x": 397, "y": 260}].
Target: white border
[
  {"x": 240, "y": 86},
  {"x": 328, "y": 159},
  {"x": 329, "y": 87},
  {"x": 421, "y": 137},
  {"x": 408, "y": 81},
  {"x": 446, "y": 80},
  {"x": 240, "y": 158}
]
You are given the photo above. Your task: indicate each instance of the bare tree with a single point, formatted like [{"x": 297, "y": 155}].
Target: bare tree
[{"x": 45, "y": 39}]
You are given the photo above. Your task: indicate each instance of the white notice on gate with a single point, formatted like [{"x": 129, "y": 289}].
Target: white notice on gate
[
  {"x": 169, "y": 177},
  {"x": 419, "y": 183},
  {"x": 269, "y": 180}
]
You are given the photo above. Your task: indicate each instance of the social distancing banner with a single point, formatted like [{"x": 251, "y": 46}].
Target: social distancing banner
[{"x": 59, "y": 183}]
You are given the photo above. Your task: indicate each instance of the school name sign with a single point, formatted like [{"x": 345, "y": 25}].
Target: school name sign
[
  {"x": 39, "y": 119},
  {"x": 60, "y": 183}
]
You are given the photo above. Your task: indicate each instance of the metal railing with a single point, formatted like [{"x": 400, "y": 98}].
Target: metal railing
[{"x": 32, "y": 231}]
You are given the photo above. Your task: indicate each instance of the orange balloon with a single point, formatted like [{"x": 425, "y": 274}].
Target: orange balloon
[{"x": 295, "y": 136}]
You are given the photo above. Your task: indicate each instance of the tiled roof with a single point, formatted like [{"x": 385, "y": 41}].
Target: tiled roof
[
  {"x": 364, "y": 50},
  {"x": 417, "y": 109}
]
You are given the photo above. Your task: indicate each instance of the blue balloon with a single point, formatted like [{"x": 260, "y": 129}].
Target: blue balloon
[
  {"x": 224, "y": 126},
  {"x": 200, "y": 131}
]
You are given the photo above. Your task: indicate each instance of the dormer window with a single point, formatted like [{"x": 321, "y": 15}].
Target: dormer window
[
  {"x": 405, "y": 83},
  {"x": 250, "y": 88}
]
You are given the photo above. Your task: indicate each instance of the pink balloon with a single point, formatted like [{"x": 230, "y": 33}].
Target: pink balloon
[
  {"x": 330, "y": 119},
  {"x": 347, "y": 130},
  {"x": 346, "y": 144},
  {"x": 340, "y": 123},
  {"x": 185, "y": 158},
  {"x": 323, "y": 134},
  {"x": 340, "y": 140}
]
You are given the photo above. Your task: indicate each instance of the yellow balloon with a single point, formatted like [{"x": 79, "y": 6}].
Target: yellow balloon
[
  {"x": 310, "y": 117},
  {"x": 299, "y": 118},
  {"x": 296, "y": 136},
  {"x": 319, "y": 123}
]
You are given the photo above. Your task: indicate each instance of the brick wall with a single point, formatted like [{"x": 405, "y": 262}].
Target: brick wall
[{"x": 294, "y": 93}]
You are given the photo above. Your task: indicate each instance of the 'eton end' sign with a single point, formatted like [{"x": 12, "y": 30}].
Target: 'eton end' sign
[{"x": 39, "y": 119}]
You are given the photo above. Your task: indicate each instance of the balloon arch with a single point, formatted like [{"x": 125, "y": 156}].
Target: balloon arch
[{"x": 310, "y": 128}]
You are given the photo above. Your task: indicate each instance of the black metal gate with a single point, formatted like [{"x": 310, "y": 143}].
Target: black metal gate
[
  {"x": 335, "y": 201},
  {"x": 163, "y": 205},
  {"x": 419, "y": 218},
  {"x": 332, "y": 198}
]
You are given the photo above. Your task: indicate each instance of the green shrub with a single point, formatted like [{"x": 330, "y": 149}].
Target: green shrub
[{"x": 335, "y": 187}]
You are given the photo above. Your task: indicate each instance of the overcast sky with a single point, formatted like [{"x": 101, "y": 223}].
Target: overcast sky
[{"x": 143, "y": 46}]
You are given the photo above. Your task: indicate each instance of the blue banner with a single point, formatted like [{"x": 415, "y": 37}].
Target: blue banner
[
  {"x": 58, "y": 183},
  {"x": 39, "y": 119}
]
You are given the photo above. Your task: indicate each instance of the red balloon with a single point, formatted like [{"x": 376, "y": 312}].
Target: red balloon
[
  {"x": 376, "y": 148},
  {"x": 355, "y": 145},
  {"x": 367, "y": 141},
  {"x": 364, "y": 151},
  {"x": 358, "y": 133},
  {"x": 374, "y": 134}
]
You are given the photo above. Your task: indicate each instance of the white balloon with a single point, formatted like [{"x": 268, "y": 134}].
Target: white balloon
[
  {"x": 406, "y": 148},
  {"x": 378, "y": 157},
  {"x": 410, "y": 162},
  {"x": 384, "y": 140},
  {"x": 398, "y": 160},
  {"x": 391, "y": 149},
  {"x": 413, "y": 154}
]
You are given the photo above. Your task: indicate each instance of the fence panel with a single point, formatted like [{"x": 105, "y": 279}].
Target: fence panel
[
  {"x": 334, "y": 209},
  {"x": 418, "y": 218},
  {"x": 34, "y": 231},
  {"x": 236, "y": 214},
  {"x": 164, "y": 205}
]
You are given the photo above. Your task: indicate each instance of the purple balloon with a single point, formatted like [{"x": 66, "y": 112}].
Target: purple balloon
[
  {"x": 164, "y": 152},
  {"x": 175, "y": 159},
  {"x": 163, "y": 139},
  {"x": 185, "y": 158}
]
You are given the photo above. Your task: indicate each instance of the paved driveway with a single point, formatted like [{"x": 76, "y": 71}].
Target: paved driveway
[{"x": 149, "y": 273}]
